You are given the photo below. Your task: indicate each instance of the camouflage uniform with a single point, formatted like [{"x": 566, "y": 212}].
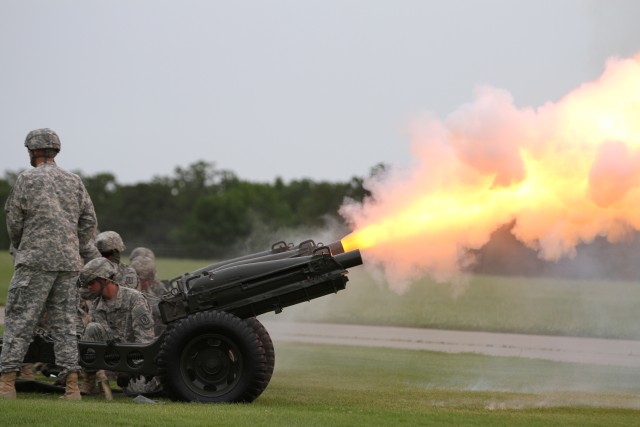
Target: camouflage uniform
[
  {"x": 152, "y": 287},
  {"x": 116, "y": 314},
  {"x": 125, "y": 319},
  {"x": 110, "y": 245},
  {"x": 142, "y": 251},
  {"x": 127, "y": 276},
  {"x": 50, "y": 220},
  {"x": 89, "y": 251}
]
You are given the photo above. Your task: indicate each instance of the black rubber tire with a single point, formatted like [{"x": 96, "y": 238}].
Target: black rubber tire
[
  {"x": 212, "y": 357},
  {"x": 269, "y": 349}
]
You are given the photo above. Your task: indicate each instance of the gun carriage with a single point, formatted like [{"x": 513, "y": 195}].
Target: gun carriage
[{"x": 214, "y": 349}]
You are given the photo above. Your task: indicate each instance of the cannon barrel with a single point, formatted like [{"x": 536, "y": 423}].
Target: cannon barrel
[
  {"x": 279, "y": 250},
  {"x": 256, "y": 286},
  {"x": 349, "y": 259}
]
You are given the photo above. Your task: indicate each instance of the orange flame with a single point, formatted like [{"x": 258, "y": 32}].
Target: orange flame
[{"x": 565, "y": 172}]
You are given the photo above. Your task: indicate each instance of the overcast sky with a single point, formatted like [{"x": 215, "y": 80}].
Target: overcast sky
[{"x": 297, "y": 89}]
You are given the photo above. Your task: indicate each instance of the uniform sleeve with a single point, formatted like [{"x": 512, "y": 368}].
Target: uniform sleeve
[
  {"x": 142, "y": 321},
  {"x": 15, "y": 215},
  {"x": 87, "y": 224},
  {"x": 89, "y": 252}
]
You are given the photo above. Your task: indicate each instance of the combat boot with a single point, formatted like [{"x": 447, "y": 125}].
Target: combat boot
[
  {"x": 71, "y": 390},
  {"x": 26, "y": 372},
  {"x": 89, "y": 383},
  {"x": 103, "y": 381},
  {"x": 8, "y": 385}
]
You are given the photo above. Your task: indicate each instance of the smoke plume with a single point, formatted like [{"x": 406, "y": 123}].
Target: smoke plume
[{"x": 564, "y": 173}]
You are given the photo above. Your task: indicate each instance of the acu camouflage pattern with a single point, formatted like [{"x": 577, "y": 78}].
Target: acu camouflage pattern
[
  {"x": 127, "y": 276},
  {"x": 127, "y": 318},
  {"x": 145, "y": 267},
  {"x": 142, "y": 251},
  {"x": 33, "y": 292},
  {"x": 109, "y": 241},
  {"x": 89, "y": 252},
  {"x": 154, "y": 292},
  {"x": 155, "y": 288},
  {"x": 50, "y": 219},
  {"x": 42, "y": 138}
]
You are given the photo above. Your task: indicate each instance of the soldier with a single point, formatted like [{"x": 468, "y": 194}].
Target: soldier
[
  {"x": 150, "y": 284},
  {"x": 116, "y": 314},
  {"x": 51, "y": 220},
  {"x": 141, "y": 251},
  {"x": 111, "y": 246},
  {"x": 151, "y": 287}
]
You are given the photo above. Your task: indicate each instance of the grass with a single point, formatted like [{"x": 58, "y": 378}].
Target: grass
[
  {"x": 488, "y": 303},
  {"x": 6, "y": 271},
  {"x": 606, "y": 309},
  {"x": 316, "y": 385}
]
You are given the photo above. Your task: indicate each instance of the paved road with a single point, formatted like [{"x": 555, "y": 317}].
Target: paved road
[{"x": 565, "y": 349}]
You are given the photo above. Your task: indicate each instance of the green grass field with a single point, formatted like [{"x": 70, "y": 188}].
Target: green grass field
[
  {"x": 488, "y": 303},
  {"x": 346, "y": 386},
  {"x": 342, "y": 385}
]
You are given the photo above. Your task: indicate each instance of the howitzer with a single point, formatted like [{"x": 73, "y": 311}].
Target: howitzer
[{"x": 214, "y": 349}]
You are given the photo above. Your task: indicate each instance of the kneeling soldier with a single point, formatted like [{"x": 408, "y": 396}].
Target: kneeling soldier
[{"x": 117, "y": 313}]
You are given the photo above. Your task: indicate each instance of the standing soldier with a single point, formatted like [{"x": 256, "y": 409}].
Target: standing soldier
[{"x": 51, "y": 220}]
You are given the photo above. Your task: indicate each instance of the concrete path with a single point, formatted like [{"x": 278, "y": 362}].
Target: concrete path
[{"x": 563, "y": 349}]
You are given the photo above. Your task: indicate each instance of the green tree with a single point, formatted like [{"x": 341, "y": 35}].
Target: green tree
[
  {"x": 214, "y": 224},
  {"x": 202, "y": 211}
]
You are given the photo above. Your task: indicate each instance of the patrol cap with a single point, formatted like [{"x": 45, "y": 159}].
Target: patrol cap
[
  {"x": 42, "y": 138},
  {"x": 96, "y": 268},
  {"x": 141, "y": 251},
  {"x": 145, "y": 267},
  {"x": 109, "y": 241}
]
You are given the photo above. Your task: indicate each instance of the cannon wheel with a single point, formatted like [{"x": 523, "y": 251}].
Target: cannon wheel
[
  {"x": 212, "y": 357},
  {"x": 269, "y": 350}
]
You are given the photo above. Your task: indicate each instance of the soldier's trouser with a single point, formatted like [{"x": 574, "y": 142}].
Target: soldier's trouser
[
  {"x": 30, "y": 292},
  {"x": 97, "y": 332}
]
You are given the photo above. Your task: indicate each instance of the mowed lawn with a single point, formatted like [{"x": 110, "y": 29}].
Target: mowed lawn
[
  {"x": 606, "y": 309},
  {"x": 316, "y": 385},
  {"x": 343, "y": 385}
]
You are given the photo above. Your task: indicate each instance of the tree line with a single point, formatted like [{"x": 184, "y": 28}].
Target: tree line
[{"x": 204, "y": 212}]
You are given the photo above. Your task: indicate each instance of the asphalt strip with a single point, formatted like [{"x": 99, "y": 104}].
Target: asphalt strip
[
  {"x": 597, "y": 351},
  {"x": 562, "y": 349}
]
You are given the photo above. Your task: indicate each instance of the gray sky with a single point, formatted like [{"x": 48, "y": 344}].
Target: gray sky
[{"x": 298, "y": 89}]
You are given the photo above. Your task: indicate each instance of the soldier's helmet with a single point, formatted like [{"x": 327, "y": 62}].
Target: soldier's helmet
[
  {"x": 42, "y": 138},
  {"x": 109, "y": 241},
  {"x": 140, "y": 251},
  {"x": 145, "y": 267},
  {"x": 96, "y": 268}
]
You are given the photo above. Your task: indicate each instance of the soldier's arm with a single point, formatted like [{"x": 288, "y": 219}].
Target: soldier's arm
[
  {"x": 15, "y": 215},
  {"x": 142, "y": 320},
  {"x": 87, "y": 224},
  {"x": 89, "y": 251}
]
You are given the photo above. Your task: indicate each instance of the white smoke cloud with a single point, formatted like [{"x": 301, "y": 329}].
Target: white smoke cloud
[{"x": 566, "y": 173}]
